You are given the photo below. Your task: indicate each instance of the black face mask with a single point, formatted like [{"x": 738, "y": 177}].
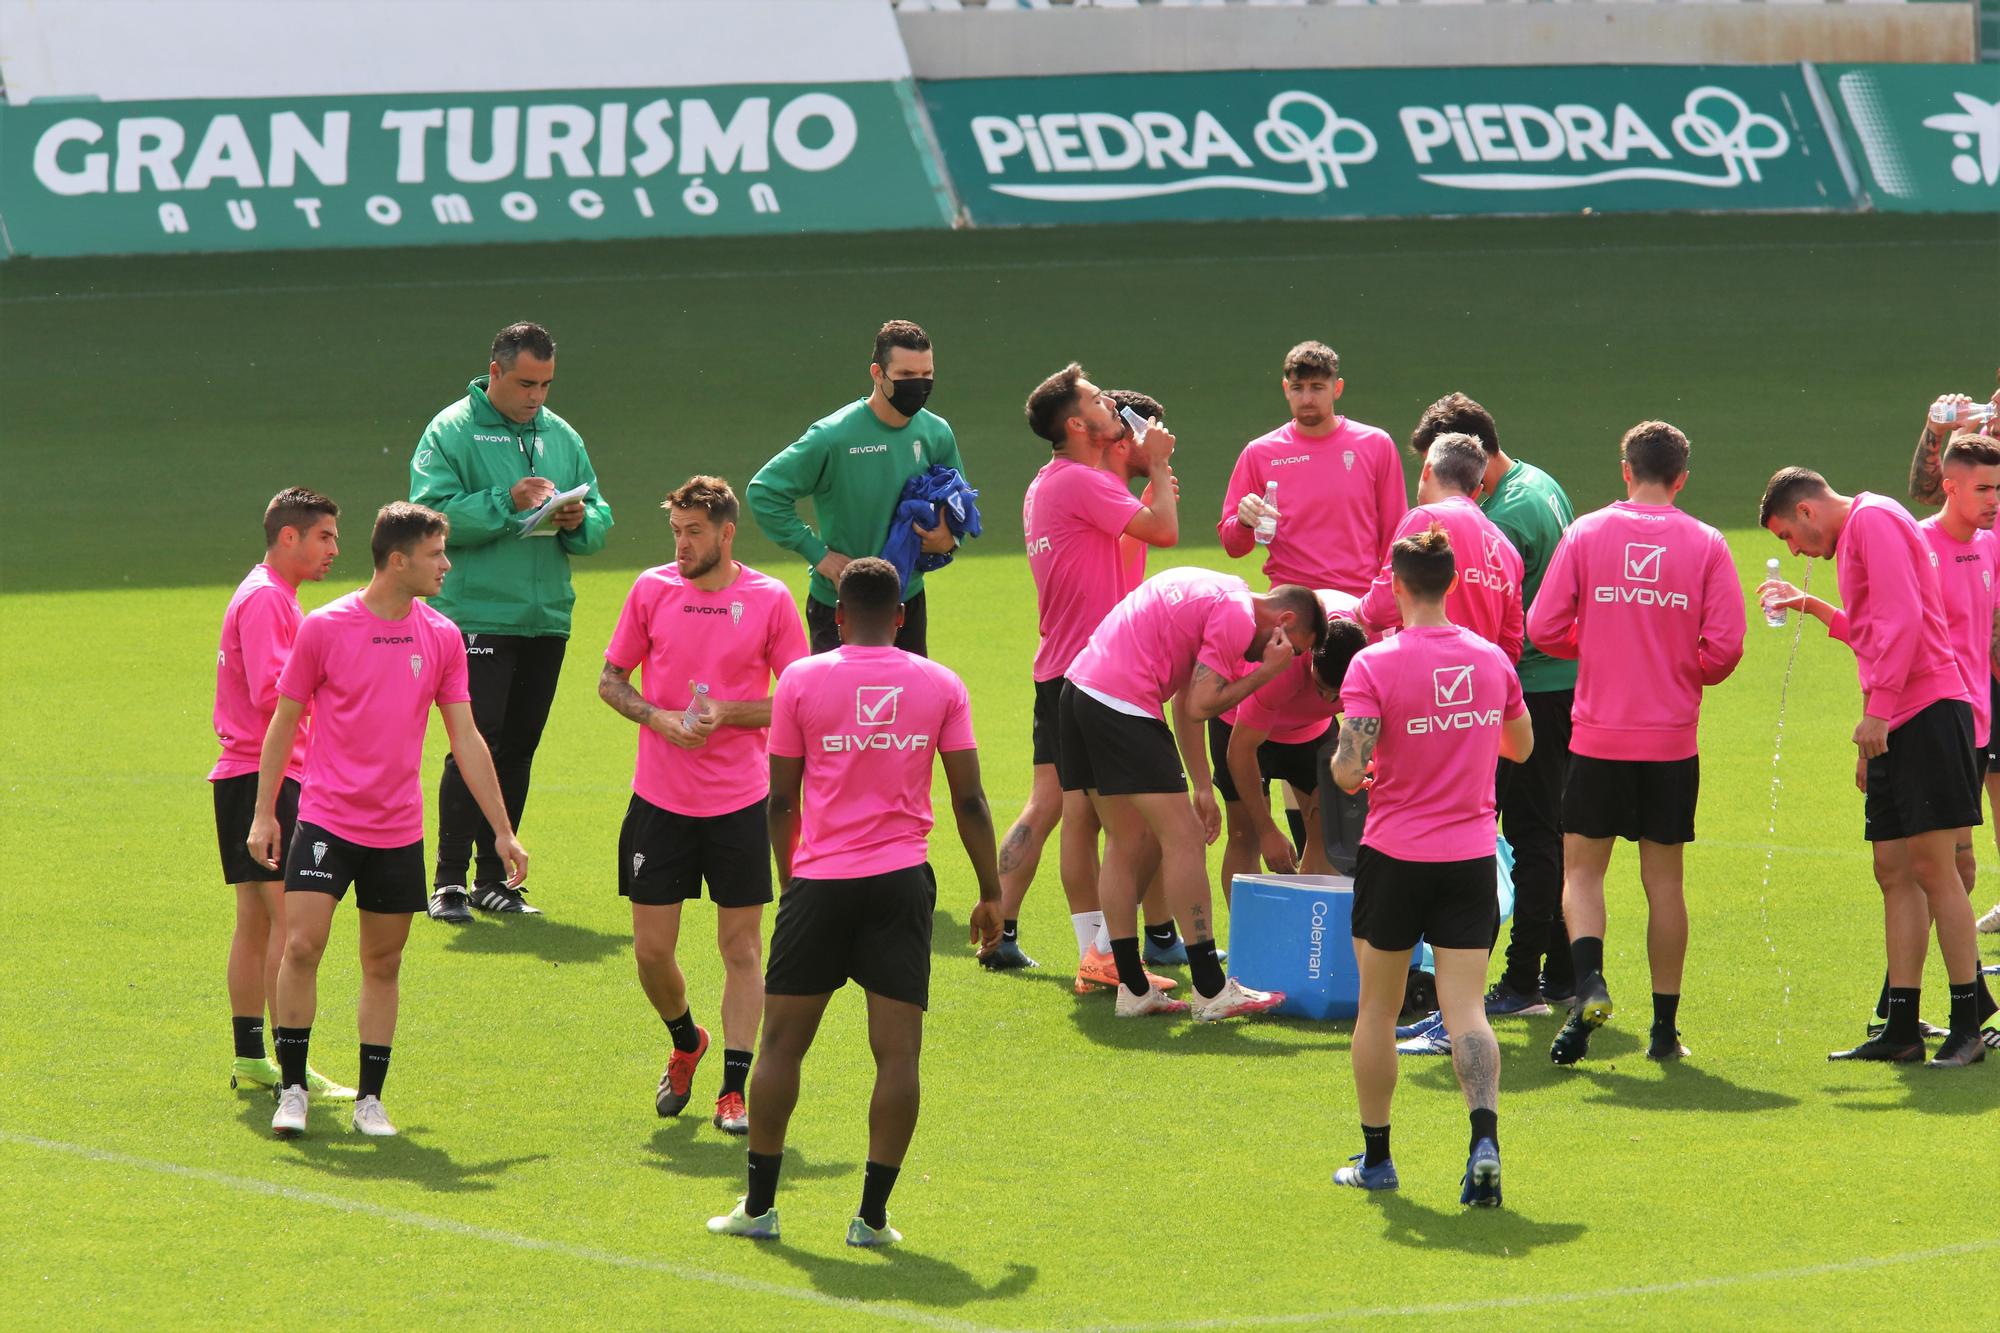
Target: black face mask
[{"x": 908, "y": 396}]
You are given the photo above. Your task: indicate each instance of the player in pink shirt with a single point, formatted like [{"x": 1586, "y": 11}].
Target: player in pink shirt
[
  {"x": 1646, "y": 600},
  {"x": 1430, "y": 712},
  {"x": 369, "y": 665},
  {"x": 855, "y": 734},
  {"x": 301, "y": 539},
  {"x": 1202, "y": 641},
  {"x": 1486, "y": 598},
  {"x": 1080, "y": 518},
  {"x": 1917, "y": 762},
  {"x": 707, "y": 635}
]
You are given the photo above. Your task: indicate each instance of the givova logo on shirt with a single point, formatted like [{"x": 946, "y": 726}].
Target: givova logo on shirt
[
  {"x": 875, "y": 706},
  {"x": 1494, "y": 575},
  {"x": 1451, "y": 697},
  {"x": 1644, "y": 562}
]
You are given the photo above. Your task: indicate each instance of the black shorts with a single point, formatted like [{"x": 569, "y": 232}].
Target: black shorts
[
  {"x": 1277, "y": 761},
  {"x": 385, "y": 879},
  {"x": 663, "y": 857},
  {"x": 1989, "y": 757},
  {"x": 1652, "y": 799},
  {"x": 1114, "y": 753},
  {"x": 235, "y": 807},
  {"x": 874, "y": 931},
  {"x": 1048, "y": 723},
  {"x": 1927, "y": 779},
  {"x": 1450, "y": 904}
]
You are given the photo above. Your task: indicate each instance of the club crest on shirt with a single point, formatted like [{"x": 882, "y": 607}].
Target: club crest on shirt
[
  {"x": 319, "y": 852},
  {"x": 638, "y": 860},
  {"x": 1347, "y": 459},
  {"x": 416, "y": 664},
  {"x": 1986, "y": 577},
  {"x": 736, "y": 613},
  {"x": 917, "y": 450}
]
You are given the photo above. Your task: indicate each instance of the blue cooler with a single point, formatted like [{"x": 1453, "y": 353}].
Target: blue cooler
[{"x": 1291, "y": 933}]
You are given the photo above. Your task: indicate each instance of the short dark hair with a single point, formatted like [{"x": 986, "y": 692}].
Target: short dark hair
[
  {"x": 1053, "y": 403},
  {"x": 400, "y": 525},
  {"x": 1458, "y": 460},
  {"x": 1304, "y": 605},
  {"x": 705, "y": 492},
  {"x": 1454, "y": 414},
  {"x": 515, "y": 339},
  {"x": 871, "y": 588},
  {"x": 899, "y": 333},
  {"x": 1147, "y": 406},
  {"x": 1344, "y": 638},
  {"x": 1424, "y": 562},
  {"x": 1657, "y": 452},
  {"x": 1787, "y": 487},
  {"x": 1312, "y": 361},
  {"x": 295, "y": 507},
  {"x": 1972, "y": 451}
]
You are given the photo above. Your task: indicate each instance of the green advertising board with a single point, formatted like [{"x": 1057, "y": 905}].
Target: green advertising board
[
  {"x": 87, "y": 177},
  {"x": 1384, "y": 142},
  {"x": 1926, "y": 137}
]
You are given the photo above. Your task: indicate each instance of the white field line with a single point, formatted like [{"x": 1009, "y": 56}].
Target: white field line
[
  {"x": 981, "y": 266},
  {"x": 493, "y": 1236}
]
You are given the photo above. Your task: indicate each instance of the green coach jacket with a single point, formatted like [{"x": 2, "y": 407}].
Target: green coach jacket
[{"x": 465, "y": 465}]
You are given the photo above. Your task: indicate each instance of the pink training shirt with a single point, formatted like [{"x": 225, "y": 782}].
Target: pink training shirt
[
  {"x": 1340, "y": 495},
  {"x": 1965, "y": 580},
  {"x": 1442, "y": 694},
  {"x": 1487, "y": 597},
  {"x": 1288, "y": 708},
  {"x": 1073, "y": 515},
  {"x": 734, "y": 640},
  {"x": 867, "y": 722},
  {"x": 257, "y": 632},
  {"x": 1893, "y": 615},
  {"x": 1146, "y": 650},
  {"x": 1646, "y": 599},
  {"x": 371, "y": 683}
]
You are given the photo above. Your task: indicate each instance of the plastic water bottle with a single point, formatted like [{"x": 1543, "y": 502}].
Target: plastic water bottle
[
  {"x": 1952, "y": 414},
  {"x": 1267, "y": 526},
  {"x": 693, "y": 713},
  {"x": 1774, "y": 616}
]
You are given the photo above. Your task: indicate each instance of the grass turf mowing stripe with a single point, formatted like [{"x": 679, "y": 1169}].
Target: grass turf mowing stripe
[{"x": 467, "y": 1230}]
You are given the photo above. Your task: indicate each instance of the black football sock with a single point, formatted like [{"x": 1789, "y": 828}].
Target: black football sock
[
  {"x": 1987, "y": 1008},
  {"x": 686, "y": 1036},
  {"x": 1902, "y": 1018},
  {"x": 1010, "y": 930},
  {"x": 1964, "y": 1009},
  {"x": 1666, "y": 1009},
  {"x": 763, "y": 1191},
  {"x": 735, "y": 1071},
  {"x": 374, "y": 1070},
  {"x": 1375, "y": 1145},
  {"x": 1131, "y": 972},
  {"x": 1485, "y": 1125},
  {"x": 1296, "y": 823},
  {"x": 876, "y": 1182},
  {"x": 1205, "y": 969},
  {"x": 1587, "y": 957},
  {"x": 291, "y": 1044},
  {"x": 1162, "y": 937},
  {"x": 1882, "y": 1001},
  {"x": 249, "y": 1036}
]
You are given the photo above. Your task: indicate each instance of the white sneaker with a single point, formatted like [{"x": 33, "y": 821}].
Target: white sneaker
[
  {"x": 371, "y": 1119},
  {"x": 1990, "y": 923},
  {"x": 1235, "y": 999},
  {"x": 290, "y": 1121},
  {"x": 1154, "y": 1001}
]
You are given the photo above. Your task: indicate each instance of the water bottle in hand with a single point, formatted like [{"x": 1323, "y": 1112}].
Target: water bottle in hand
[
  {"x": 693, "y": 713},
  {"x": 1774, "y": 616},
  {"x": 1969, "y": 415},
  {"x": 1267, "y": 524}
]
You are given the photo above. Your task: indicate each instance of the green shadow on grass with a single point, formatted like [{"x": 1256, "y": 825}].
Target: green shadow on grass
[
  {"x": 539, "y": 937},
  {"x": 899, "y": 1273},
  {"x": 1674, "y": 1085},
  {"x": 332, "y": 1148},
  {"x": 1954, "y": 1092},
  {"x": 1095, "y": 1019},
  {"x": 691, "y": 1146},
  {"x": 1495, "y": 1232}
]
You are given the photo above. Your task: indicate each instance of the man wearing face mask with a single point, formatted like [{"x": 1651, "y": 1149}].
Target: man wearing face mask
[{"x": 853, "y": 464}]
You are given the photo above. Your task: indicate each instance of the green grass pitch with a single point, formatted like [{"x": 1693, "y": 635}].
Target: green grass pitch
[{"x": 1069, "y": 1171}]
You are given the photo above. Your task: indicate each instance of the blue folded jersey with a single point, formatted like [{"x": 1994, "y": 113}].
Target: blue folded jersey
[{"x": 939, "y": 492}]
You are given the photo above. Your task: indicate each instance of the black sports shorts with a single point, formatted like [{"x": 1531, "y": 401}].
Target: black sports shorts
[
  {"x": 235, "y": 807},
  {"x": 1452, "y": 904},
  {"x": 664, "y": 857},
  {"x": 874, "y": 931}
]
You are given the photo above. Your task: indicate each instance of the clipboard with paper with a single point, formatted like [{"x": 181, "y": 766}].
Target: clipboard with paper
[{"x": 535, "y": 523}]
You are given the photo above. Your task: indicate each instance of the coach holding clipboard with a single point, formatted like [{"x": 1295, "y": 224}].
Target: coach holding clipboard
[{"x": 490, "y": 463}]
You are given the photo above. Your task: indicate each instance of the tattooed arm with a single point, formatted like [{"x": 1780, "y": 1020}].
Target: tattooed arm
[
  {"x": 1356, "y": 748},
  {"x": 614, "y": 686},
  {"x": 1209, "y": 695}
]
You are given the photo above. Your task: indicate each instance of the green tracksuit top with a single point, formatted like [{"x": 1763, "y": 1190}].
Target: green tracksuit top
[
  {"x": 854, "y": 467},
  {"x": 1532, "y": 510},
  {"x": 465, "y": 465}
]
